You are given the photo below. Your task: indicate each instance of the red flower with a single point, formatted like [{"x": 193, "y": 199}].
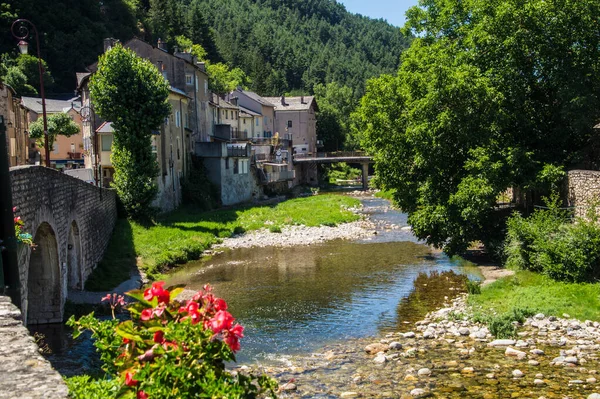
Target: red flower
[
  {"x": 220, "y": 304},
  {"x": 192, "y": 307},
  {"x": 237, "y": 330},
  {"x": 222, "y": 321},
  {"x": 142, "y": 395},
  {"x": 157, "y": 291},
  {"x": 233, "y": 342},
  {"x": 146, "y": 314},
  {"x": 129, "y": 381},
  {"x": 126, "y": 340},
  {"x": 159, "y": 337}
]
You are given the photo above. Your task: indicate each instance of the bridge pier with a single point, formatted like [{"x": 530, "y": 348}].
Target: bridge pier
[{"x": 365, "y": 176}]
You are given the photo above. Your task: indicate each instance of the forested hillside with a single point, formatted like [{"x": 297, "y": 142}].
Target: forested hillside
[{"x": 282, "y": 45}]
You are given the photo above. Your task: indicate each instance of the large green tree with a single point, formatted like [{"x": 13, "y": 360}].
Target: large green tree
[
  {"x": 58, "y": 124},
  {"x": 131, "y": 93},
  {"x": 336, "y": 102},
  {"x": 487, "y": 97}
]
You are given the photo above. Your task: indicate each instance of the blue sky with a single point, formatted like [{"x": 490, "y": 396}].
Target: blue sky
[{"x": 391, "y": 10}]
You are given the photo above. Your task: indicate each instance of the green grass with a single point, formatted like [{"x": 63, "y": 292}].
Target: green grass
[
  {"x": 183, "y": 235},
  {"x": 386, "y": 194},
  {"x": 539, "y": 294}
]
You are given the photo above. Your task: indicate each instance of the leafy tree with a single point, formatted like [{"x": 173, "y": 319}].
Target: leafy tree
[
  {"x": 187, "y": 45},
  {"x": 22, "y": 74},
  {"x": 336, "y": 103},
  {"x": 488, "y": 95},
  {"x": 132, "y": 93},
  {"x": 222, "y": 79},
  {"x": 58, "y": 124}
]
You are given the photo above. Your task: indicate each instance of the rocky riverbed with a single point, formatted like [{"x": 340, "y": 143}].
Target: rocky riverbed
[{"x": 447, "y": 355}]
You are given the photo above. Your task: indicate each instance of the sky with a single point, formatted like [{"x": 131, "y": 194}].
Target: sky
[{"x": 391, "y": 10}]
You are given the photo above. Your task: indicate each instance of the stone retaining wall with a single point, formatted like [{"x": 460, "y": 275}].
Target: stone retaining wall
[
  {"x": 25, "y": 372},
  {"x": 583, "y": 190}
]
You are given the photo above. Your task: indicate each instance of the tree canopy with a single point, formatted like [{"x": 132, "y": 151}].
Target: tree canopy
[
  {"x": 490, "y": 95},
  {"x": 58, "y": 124},
  {"x": 131, "y": 92}
]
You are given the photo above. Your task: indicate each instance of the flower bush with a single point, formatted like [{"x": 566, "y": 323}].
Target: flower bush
[
  {"x": 22, "y": 237},
  {"x": 170, "y": 349}
]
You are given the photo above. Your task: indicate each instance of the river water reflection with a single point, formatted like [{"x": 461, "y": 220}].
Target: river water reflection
[{"x": 297, "y": 299}]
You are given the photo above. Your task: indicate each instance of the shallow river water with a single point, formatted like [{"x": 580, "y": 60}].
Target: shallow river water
[{"x": 298, "y": 299}]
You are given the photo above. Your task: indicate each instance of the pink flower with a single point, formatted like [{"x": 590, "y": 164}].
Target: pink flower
[
  {"x": 222, "y": 321},
  {"x": 147, "y": 314},
  {"x": 233, "y": 342},
  {"x": 129, "y": 381},
  {"x": 220, "y": 304},
  {"x": 142, "y": 395},
  {"x": 237, "y": 330},
  {"x": 14, "y": 209},
  {"x": 157, "y": 291}
]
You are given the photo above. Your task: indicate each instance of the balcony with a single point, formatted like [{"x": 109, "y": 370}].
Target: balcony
[
  {"x": 268, "y": 139},
  {"x": 274, "y": 177},
  {"x": 74, "y": 155},
  {"x": 222, "y": 150}
]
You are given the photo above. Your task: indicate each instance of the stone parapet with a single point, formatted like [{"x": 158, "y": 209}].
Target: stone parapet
[{"x": 25, "y": 372}]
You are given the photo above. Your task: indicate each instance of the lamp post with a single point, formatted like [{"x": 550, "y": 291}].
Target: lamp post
[{"x": 20, "y": 29}]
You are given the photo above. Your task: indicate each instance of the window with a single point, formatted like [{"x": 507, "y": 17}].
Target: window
[
  {"x": 206, "y": 87},
  {"x": 244, "y": 120},
  {"x": 197, "y": 85},
  {"x": 189, "y": 79},
  {"x": 227, "y": 163},
  {"x": 265, "y": 121},
  {"x": 106, "y": 142},
  {"x": 186, "y": 120},
  {"x": 165, "y": 75},
  {"x": 236, "y": 166},
  {"x": 178, "y": 149},
  {"x": 177, "y": 118},
  {"x": 256, "y": 121},
  {"x": 289, "y": 124}
]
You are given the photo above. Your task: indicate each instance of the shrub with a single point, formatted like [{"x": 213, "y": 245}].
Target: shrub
[
  {"x": 473, "y": 287},
  {"x": 503, "y": 326},
  {"x": 168, "y": 349},
  {"x": 275, "y": 228},
  {"x": 548, "y": 243}
]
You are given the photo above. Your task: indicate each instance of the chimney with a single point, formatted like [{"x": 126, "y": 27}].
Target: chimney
[
  {"x": 301, "y": 99},
  {"x": 282, "y": 100},
  {"x": 234, "y": 101},
  {"x": 109, "y": 42},
  {"x": 162, "y": 45},
  {"x": 202, "y": 66}
]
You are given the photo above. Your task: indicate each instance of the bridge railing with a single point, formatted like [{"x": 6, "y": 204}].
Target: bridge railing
[{"x": 336, "y": 154}]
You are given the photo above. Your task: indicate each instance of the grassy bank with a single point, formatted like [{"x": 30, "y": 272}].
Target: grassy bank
[
  {"x": 538, "y": 294},
  {"x": 183, "y": 235}
]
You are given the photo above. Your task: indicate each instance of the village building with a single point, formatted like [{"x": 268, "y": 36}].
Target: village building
[
  {"x": 296, "y": 116},
  {"x": 17, "y": 125},
  {"x": 174, "y": 141},
  {"x": 65, "y": 152}
]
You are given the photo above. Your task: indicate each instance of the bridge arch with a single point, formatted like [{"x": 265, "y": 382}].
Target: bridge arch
[
  {"x": 44, "y": 301},
  {"x": 74, "y": 264}
]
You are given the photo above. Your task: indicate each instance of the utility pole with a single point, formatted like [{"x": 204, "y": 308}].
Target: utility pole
[{"x": 9, "y": 266}]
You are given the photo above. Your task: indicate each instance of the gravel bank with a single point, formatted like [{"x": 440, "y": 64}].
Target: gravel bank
[{"x": 291, "y": 236}]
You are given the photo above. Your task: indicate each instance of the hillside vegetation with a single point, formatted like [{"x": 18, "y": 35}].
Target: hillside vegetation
[{"x": 283, "y": 46}]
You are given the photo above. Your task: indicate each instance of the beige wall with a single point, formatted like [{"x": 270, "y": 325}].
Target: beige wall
[
  {"x": 303, "y": 130},
  {"x": 16, "y": 122}
]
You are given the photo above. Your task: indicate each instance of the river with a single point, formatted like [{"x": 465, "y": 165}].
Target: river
[{"x": 296, "y": 300}]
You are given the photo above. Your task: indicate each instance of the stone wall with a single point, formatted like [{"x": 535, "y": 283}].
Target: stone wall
[
  {"x": 583, "y": 190},
  {"x": 72, "y": 222},
  {"x": 25, "y": 372}
]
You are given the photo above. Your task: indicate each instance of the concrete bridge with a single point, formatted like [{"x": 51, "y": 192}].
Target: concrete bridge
[
  {"x": 71, "y": 222},
  {"x": 335, "y": 157}
]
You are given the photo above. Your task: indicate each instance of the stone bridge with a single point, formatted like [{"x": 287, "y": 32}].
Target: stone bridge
[{"x": 71, "y": 222}]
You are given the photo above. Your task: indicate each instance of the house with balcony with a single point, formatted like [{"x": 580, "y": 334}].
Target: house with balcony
[
  {"x": 296, "y": 116},
  {"x": 66, "y": 152}
]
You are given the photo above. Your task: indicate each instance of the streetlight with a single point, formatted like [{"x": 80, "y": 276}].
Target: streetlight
[{"x": 20, "y": 31}]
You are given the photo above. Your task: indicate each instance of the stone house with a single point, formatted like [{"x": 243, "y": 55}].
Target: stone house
[
  {"x": 66, "y": 152},
  {"x": 257, "y": 104},
  {"x": 17, "y": 125}
]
